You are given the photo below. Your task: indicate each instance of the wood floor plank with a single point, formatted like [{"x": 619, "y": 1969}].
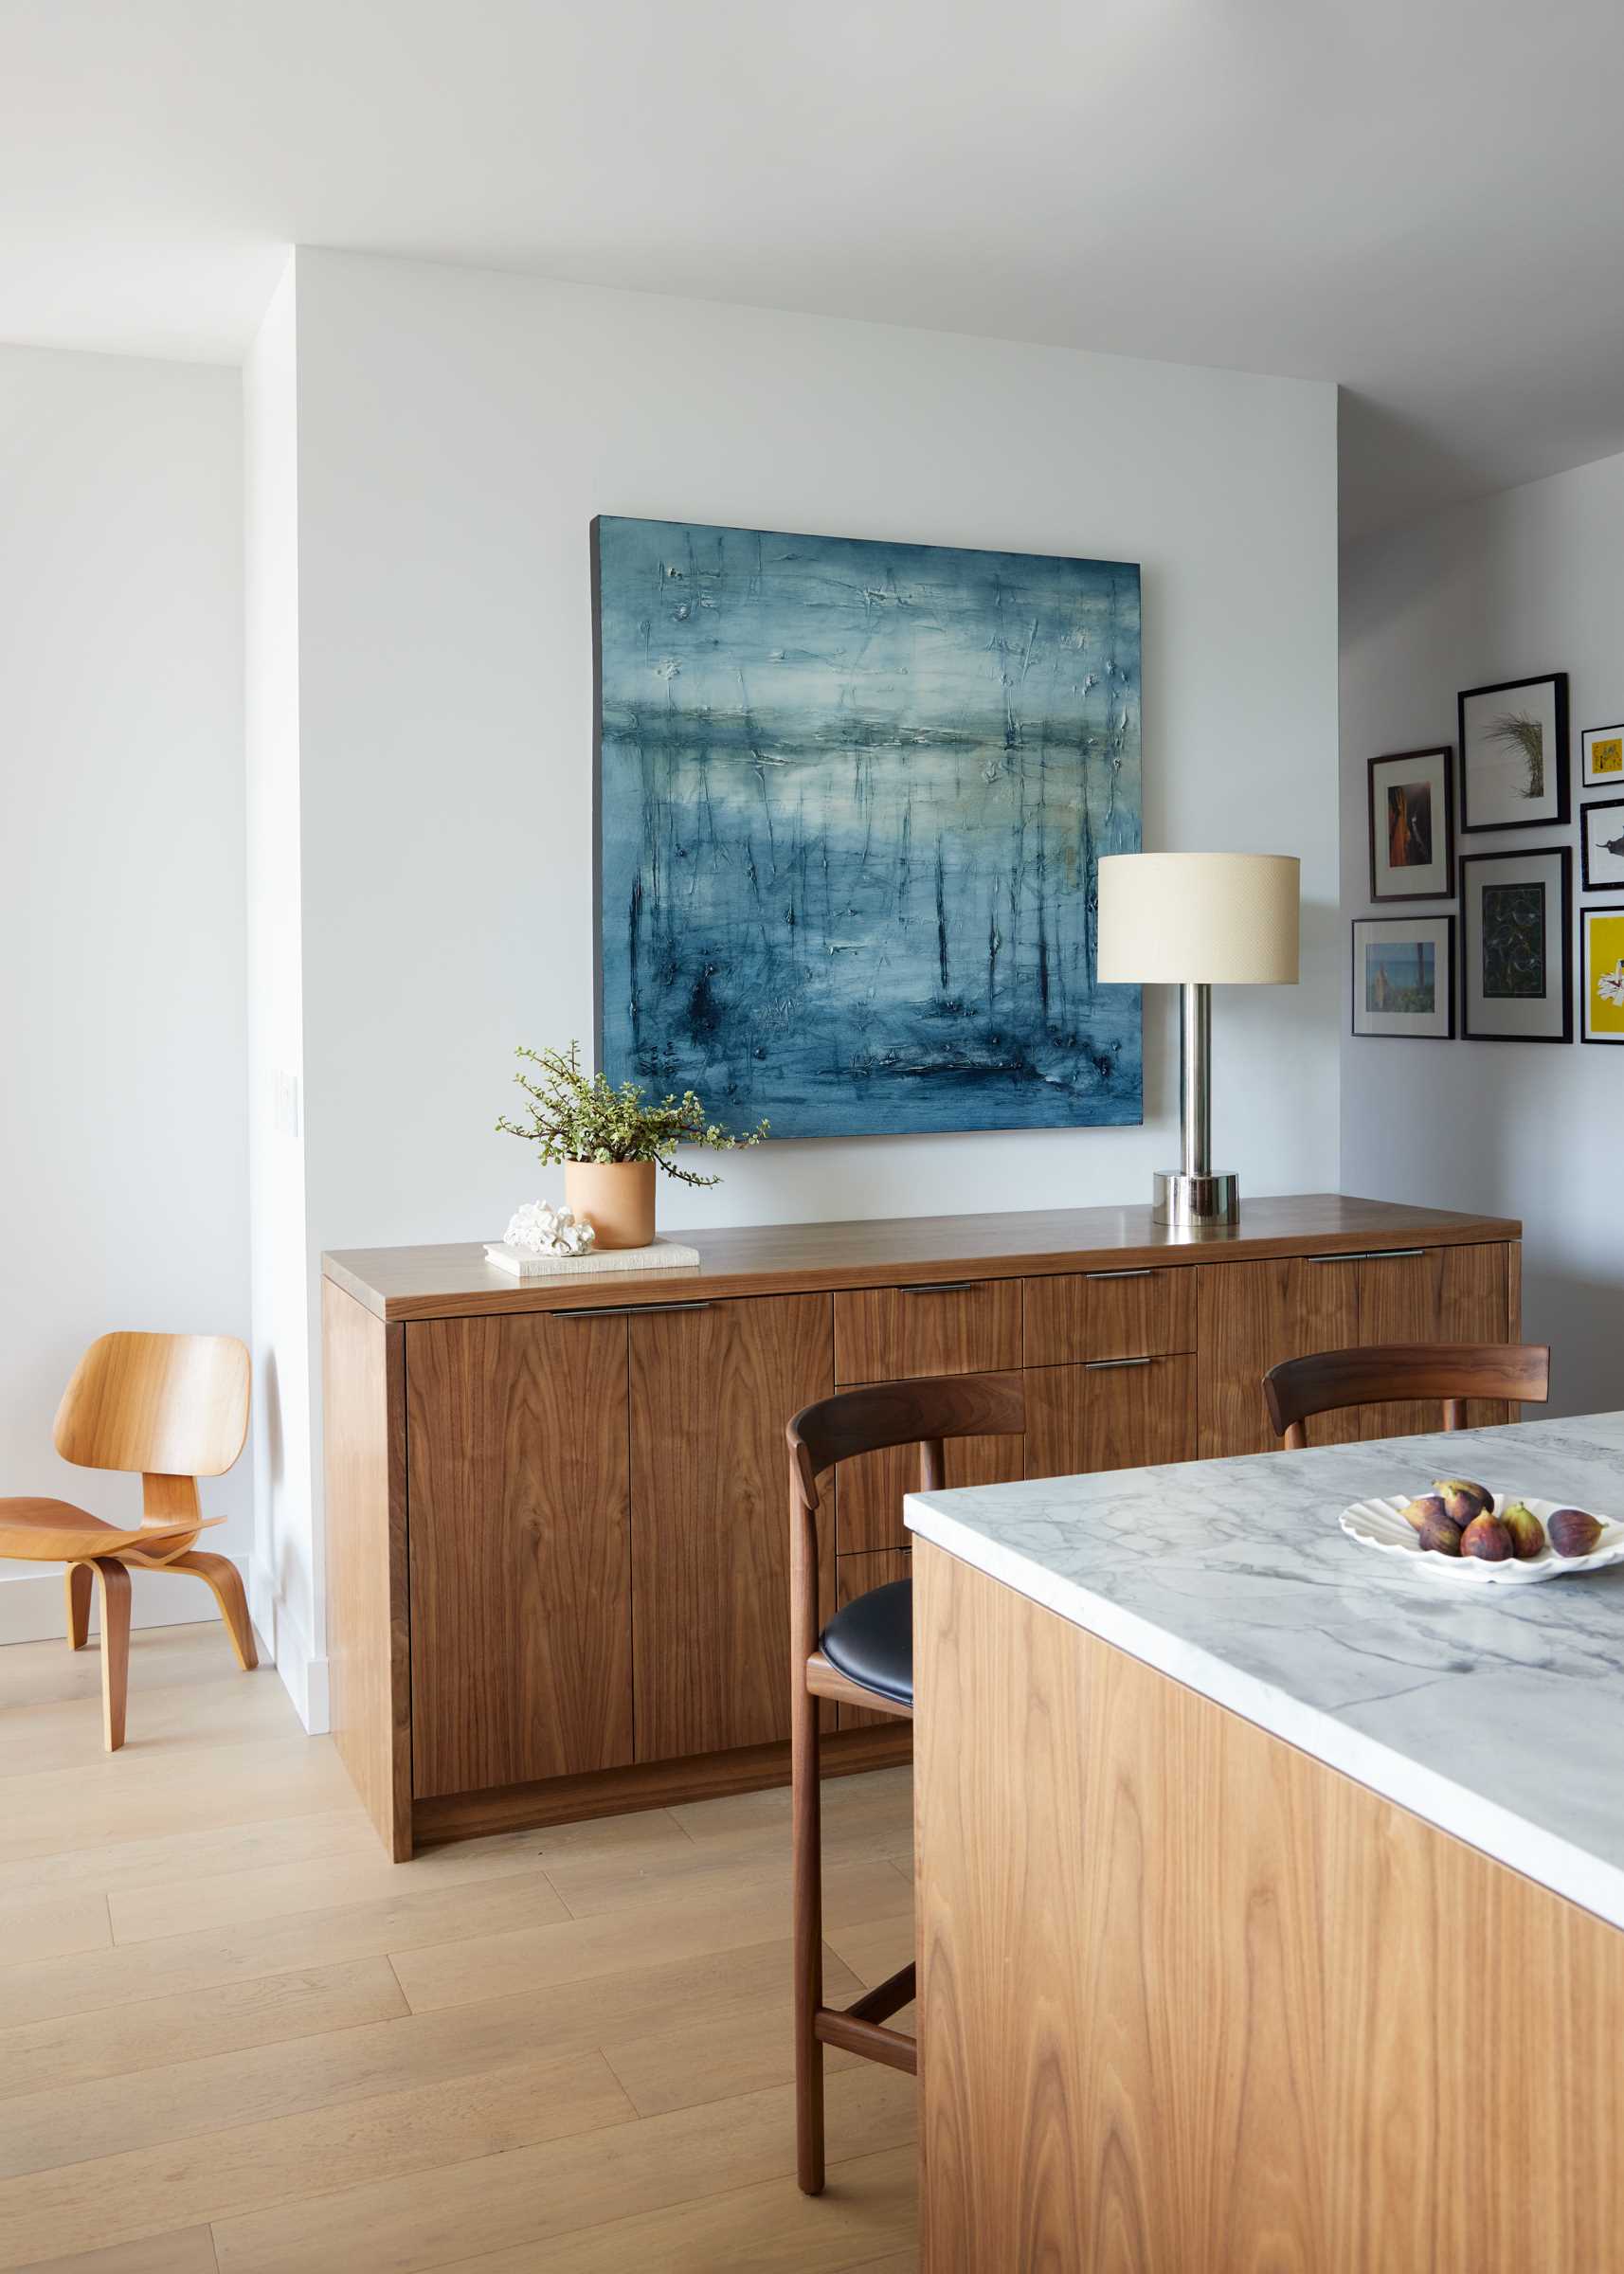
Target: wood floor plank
[
  {"x": 123, "y": 1796},
  {"x": 169, "y": 1723},
  {"x": 879, "y": 1806},
  {"x": 115, "y": 2040},
  {"x": 768, "y": 2228},
  {"x": 174, "y": 1860},
  {"x": 127, "y": 1973},
  {"x": 189, "y": 2099},
  {"x": 701, "y": 2056},
  {"x": 55, "y": 1926},
  {"x": 498, "y": 1964},
  {"x": 381, "y": 2142},
  {"x": 192, "y": 2252},
  {"x": 532, "y": 2194},
  {"x": 593, "y": 1885},
  {"x": 875, "y": 1948},
  {"x": 40, "y": 1673}
]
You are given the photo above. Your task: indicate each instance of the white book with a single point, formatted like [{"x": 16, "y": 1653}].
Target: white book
[{"x": 664, "y": 1255}]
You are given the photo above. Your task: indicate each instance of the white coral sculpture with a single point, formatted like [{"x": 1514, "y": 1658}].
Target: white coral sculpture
[
  {"x": 1610, "y": 987},
  {"x": 542, "y": 1231}
]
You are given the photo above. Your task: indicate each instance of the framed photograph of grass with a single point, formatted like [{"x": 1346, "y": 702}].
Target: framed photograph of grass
[
  {"x": 1412, "y": 826},
  {"x": 1514, "y": 753},
  {"x": 1403, "y": 977},
  {"x": 1602, "y": 758},
  {"x": 1516, "y": 946},
  {"x": 1601, "y": 845},
  {"x": 1603, "y": 931}
]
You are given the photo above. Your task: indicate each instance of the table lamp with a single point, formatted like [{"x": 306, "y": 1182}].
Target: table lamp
[{"x": 1195, "y": 921}]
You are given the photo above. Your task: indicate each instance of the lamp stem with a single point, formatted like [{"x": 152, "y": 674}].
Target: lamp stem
[{"x": 1196, "y": 1077}]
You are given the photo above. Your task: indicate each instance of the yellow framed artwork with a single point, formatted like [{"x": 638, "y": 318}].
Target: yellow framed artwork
[
  {"x": 1603, "y": 975},
  {"x": 1602, "y": 758}
]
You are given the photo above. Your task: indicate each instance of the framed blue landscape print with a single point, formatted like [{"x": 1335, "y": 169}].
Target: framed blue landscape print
[{"x": 851, "y": 797}]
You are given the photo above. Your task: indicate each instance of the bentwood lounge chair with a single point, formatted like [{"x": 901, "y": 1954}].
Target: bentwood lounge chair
[
  {"x": 171, "y": 1407},
  {"x": 864, "y": 1656},
  {"x": 1331, "y": 1381}
]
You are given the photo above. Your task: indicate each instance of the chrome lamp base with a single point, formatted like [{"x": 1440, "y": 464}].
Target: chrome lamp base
[{"x": 1196, "y": 1203}]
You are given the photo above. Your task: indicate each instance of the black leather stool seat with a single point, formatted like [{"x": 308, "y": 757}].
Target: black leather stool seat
[{"x": 871, "y": 1641}]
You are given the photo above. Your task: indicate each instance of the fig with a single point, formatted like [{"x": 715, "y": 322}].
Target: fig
[
  {"x": 1528, "y": 1532},
  {"x": 1440, "y": 1536},
  {"x": 1574, "y": 1533},
  {"x": 1487, "y": 1539},
  {"x": 1427, "y": 1510},
  {"x": 1463, "y": 1500}
]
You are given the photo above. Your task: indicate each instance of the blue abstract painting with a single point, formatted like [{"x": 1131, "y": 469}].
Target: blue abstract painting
[{"x": 851, "y": 797}]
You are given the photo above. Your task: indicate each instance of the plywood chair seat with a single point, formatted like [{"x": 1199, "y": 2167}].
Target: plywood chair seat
[{"x": 171, "y": 1408}]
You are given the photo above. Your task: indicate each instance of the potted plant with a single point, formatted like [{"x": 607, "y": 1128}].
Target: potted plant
[{"x": 611, "y": 1142}]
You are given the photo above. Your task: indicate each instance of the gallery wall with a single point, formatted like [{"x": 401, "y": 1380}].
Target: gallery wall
[
  {"x": 1524, "y": 582},
  {"x": 457, "y": 432},
  {"x": 123, "y": 1141}
]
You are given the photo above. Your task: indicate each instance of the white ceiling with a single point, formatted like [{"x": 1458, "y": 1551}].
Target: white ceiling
[{"x": 1421, "y": 201}]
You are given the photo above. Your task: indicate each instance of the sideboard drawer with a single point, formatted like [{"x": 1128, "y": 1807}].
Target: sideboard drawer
[
  {"x": 1133, "y": 1413},
  {"x": 1078, "y": 1316},
  {"x": 869, "y": 1487},
  {"x": 894, "y": 1333}
]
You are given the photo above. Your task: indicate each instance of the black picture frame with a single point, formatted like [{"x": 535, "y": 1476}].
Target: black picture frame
[
  {"x": 1586, "y": 779},
  {"x": 1362, "y": 1035},
  {"x": 1601, "y": 1042},
  {"x": 1557, "y": 681},
  {"x": 1586, "y": 882},
  {"x": 1446, "y": 891},
  {"x": 1563, "y": 944}
]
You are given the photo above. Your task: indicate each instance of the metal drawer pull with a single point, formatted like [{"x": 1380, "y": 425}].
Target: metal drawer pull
[
  {"x": 625, "y": 1310},
  {"x": 944, "y": 1286},
  {"x": 1093, "y": 1365},
  {"x": 1367, "y": 1255},
  {"x": 1144, "y": 1272}
]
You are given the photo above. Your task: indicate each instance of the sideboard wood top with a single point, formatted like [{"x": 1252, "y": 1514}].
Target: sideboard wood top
[{"x": 455, "y": 1280}]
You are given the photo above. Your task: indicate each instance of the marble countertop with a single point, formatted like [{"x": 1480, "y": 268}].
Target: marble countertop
[{"x": 1496, "y": 1714}]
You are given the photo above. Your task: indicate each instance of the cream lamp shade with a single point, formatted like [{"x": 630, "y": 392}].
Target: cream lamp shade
[{"x": 1212, "y": 919}]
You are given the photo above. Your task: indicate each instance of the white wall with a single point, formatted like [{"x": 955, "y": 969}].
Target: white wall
[
  {"x": 457, "y": 430},
  {"x": 1526, "y": 581},
  {"x": 122, "y": 1135}
]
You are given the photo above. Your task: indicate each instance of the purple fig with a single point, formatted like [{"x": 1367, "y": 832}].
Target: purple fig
[
  {"x": 1427, "y": 1510},
  {"x": 1574, "y": 1533},
  {"x": 1440, "y": 1536},
  {"x": 1487, "y": 1539},
  {"x": 1528, "y": 1532},
  {"x": 1463, "y": 1500}
]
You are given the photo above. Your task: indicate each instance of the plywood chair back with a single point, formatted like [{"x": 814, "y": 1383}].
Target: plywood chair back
[
  {"x": 168, "y": 1407},
  {"x": 1331, "y": 1381}
]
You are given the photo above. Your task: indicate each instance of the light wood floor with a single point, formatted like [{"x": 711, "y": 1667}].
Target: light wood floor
[{"x": 235, "y": 2040}]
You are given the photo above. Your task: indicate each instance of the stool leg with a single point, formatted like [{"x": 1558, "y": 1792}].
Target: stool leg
[
  {"x": 114, "y": 1581},
  {"x": 79, "y": 1579},
  {"x": 806, "y": 1872}
]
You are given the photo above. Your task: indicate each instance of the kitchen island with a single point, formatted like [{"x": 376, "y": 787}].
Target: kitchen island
[{"x": 1271, "y": 1897}]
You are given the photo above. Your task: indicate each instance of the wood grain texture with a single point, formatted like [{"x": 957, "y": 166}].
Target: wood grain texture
[
  {"x": 1301, "y": 1388},
  {"x": 894, "y": 1333},
  {"x": 520, "y": 1547},
  {"x": 1251, "y": 1316},
  {"x": 175, "y": 1405},
  {"x": 710, "y": 1392},
  {"x": 869, "y": 1488},
  {"x": 1109, "y": 1313},
  {"x": 1082, "y": 1419},
  {"x": 455, "y": 1280},
  {"x": 368, "y": 1644},
  {"x": 1191, "y": 1999}
]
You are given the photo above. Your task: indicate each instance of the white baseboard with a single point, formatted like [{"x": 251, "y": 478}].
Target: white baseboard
[
  {"x": 303, "y": 1674},
  {"x": 34, "y": 1607}
]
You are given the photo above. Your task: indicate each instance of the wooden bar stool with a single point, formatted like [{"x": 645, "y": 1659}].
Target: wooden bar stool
[
  {"x": 1331, "y": 1381},
  {"x": 864, "y": 1656},
  {"x": 172, "y": 1407}
]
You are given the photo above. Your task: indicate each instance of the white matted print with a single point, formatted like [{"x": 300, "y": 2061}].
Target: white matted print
[
  {"x": 1403, "y": 977},
  {"x": 1513, "y": 753},
  {"x": 1412, "y": 826},
  {"x": 1516, "y": 946},
  {"x": 1602, "y": 758},
  {"x": 1601, "y": 846}
]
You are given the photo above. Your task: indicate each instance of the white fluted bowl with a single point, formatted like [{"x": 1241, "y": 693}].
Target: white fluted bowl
[{"x": 1382, "y": 1525}]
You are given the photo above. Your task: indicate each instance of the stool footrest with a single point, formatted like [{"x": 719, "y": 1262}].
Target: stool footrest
[
  {"x": 887, "y": 1997},
  {"x": 857, "y": 2030}
]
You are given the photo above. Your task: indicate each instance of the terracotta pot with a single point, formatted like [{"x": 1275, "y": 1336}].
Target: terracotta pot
[{"x": 616, "y": 1198}]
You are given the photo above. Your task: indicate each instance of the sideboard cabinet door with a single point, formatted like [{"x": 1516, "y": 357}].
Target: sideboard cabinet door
[
  {"x": 520, "y": 1549},
  {"x": 712, "y": 1385}
]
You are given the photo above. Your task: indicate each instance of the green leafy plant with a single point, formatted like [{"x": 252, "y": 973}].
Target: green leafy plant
[
  {"x": 1527, "y": 735},
  {"x": 572, "y": 1116}
]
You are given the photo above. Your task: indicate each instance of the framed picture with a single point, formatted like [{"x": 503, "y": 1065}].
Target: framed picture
[
  {"x": 1412, "y": 826},
  {"x": 1602, "y": 758},
  {"x": 1403, "y": 977},
  {"x": 1516, "y": 946},
  {"x": 1601, "y": 846},
  {"x": 1603, "y": 930},
  {"x": 1513, "y": 753}
]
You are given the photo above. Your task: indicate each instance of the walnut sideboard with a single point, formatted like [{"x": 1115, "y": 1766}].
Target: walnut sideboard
[{"x": 557, "y": 1540}]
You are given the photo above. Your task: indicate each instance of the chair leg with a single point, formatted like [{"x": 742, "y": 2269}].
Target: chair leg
[
  {"x": 807, "y": 1873},
  {"x": 113, "y": 1582},
  {"x": 78, "y": 1579},
  {"x": 224, "y": 1581}
]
